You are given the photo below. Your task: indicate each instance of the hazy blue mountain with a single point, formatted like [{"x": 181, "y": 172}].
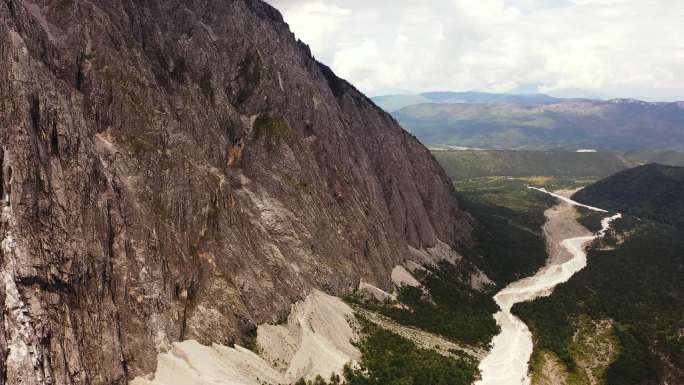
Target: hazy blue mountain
[
  {"x": 670, "y": 158},
  {"x": 393, "y": 103},
  {"x": 621, "y": 124}
]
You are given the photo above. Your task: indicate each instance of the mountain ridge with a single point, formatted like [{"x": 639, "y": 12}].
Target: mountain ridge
[
  {"x": 392, "y": 103},
  {"x": 395, "y": 102},
  {"x": 650, "y": 191},
  {"x": 186, "y": 170},
  {"x": 581, "y": 124}
]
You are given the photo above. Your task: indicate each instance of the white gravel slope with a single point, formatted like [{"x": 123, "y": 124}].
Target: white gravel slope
[{"x": 316, "y": 340}]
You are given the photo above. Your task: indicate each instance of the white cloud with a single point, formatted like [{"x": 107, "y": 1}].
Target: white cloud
[{"x": 607, "y": 48}]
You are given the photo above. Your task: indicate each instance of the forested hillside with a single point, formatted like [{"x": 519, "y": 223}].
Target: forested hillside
[
  {"x": 620, "y": 321},
  {"x": 461, "y": 165},
  {"x": 652, "y": 191}
]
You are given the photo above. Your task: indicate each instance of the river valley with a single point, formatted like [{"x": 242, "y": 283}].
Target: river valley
[{"x": 508, "y": 361}]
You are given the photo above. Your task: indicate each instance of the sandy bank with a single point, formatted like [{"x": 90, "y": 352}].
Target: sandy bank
[{"x": 561, "y": 224}]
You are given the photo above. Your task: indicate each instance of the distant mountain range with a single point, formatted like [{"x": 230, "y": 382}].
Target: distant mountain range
[
  {"x": 538, "y": 122},
  {"x": 670, "y": 158},
  {"x": 393, "y": 103}
]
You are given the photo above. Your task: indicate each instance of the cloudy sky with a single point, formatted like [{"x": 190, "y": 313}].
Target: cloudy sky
[{"x": 584, "y": 48}]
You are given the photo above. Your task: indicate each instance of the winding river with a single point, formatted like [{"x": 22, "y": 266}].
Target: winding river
[{"x": 507, "y": 362}]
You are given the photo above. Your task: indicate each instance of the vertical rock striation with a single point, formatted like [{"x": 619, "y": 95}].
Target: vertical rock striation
[{"x": 186, "y": 170}]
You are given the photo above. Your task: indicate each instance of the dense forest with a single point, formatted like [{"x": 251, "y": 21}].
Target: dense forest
[
  {"x": 652, "y": 191},
  {"x": 388, "y": 359},
  {"x": 510, "y": 243},
  {"x": 466, "y": 164},
  {"x": 637, "y": 287},
  {"x": 453, "y": 310}
]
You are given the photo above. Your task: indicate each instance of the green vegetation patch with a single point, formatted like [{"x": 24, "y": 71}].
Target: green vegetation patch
[
  {"x": 250, "y": 341},
  {"x": 298, "y": 184},
  {"x": 510, "y": 243},
  {"x": 594, "y": 348},
  {"x": 590, "y": 219},
  {"x": 206, "y": 85},
  {"x": 141, "y": 144},
  {"x": 453, "y": 310},
  {"x": 274, "y": 131},
  {"x": 547, "y": 369},
  {"x": 250, "y": 74},
  {"x": 388, "y": 359},
  {"x": 639, "y": 286},
  {"x": 461, "y": 165}
]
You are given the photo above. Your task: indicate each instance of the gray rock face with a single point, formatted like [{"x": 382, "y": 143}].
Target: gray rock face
[{"x": 186, "y": 170}]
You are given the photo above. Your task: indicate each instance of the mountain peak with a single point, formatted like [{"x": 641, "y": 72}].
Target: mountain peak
[
  {"x": 178, "y": 170},
  {"x": 630, "y": 101}
]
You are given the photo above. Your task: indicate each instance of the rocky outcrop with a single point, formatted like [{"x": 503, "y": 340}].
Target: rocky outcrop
[{"x": 178, "y": 170}]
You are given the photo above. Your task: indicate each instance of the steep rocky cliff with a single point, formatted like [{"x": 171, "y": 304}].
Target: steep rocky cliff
[{"x": 186, "y": 170}]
